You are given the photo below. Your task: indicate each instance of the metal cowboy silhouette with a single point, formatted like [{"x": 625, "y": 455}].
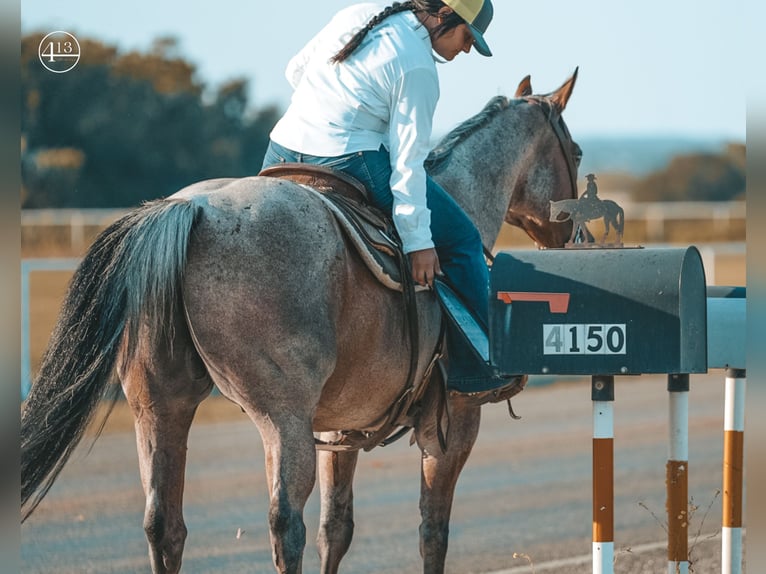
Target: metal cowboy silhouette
[{"x": 587, "y": 208}]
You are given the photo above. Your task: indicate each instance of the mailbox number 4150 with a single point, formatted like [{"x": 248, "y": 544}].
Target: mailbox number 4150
[{"x": 578, "y": 339}]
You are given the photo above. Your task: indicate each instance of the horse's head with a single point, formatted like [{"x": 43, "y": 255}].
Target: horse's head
[
  {"x": 509, "y": 161},
  {"x": 551, "y": 162}
]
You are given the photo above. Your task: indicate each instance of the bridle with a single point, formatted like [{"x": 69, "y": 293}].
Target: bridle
[
  {"x": 564, "y": 138},
  {"x": 562, "y": 134},
  {"x": 566, "y": 143}
]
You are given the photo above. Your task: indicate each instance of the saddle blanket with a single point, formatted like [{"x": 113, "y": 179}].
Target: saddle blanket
[{"x": 373, "y": 245}]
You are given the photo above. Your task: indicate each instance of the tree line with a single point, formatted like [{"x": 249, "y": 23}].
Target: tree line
[
  {"x": 696, "y": 177},
  {"x": 119, "y": 129},
  {"x": 122, "y": 128}
]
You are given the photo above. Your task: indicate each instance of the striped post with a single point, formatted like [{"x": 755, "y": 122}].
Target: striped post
[
  {"x": 677, "y": 475},
  {"x": 733, "y": 459},
  {"x": 602, "y": 395}
]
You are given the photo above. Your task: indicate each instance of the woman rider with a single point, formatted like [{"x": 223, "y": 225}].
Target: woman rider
[{"x": 365, "y": 92}]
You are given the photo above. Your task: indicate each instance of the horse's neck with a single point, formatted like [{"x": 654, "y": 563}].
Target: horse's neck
[{"x": 483, "y": 171}]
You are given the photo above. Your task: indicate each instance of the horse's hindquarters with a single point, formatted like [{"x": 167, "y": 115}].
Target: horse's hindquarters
[
  {"x": 260, "y": 290},
  {"x": 286, "y": 317}
]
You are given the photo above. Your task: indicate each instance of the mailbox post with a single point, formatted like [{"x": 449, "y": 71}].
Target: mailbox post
[
  {"x": 726, "y": 350},
  {"x": 607, "y": 312}
]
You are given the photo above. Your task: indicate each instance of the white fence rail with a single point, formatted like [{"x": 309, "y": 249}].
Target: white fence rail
[
  {"x": 77, "y": 220},
  {"x": 656, "y": 214}
]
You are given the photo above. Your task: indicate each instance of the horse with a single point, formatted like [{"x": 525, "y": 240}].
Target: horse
[
  {"x": 580, "y": 211},
  {"x": 249, "y": 285}
]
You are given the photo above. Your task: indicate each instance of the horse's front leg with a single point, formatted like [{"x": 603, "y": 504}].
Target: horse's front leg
[
  {"x": 336, "y": 521},
  {"x": 439, "y": 474}
]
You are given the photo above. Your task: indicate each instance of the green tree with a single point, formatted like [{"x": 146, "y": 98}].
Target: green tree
[
  {"x": 697, "y": 177},
  {"x": 120, "y": 129}
]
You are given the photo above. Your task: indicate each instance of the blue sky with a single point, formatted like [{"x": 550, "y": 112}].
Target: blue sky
[{"x": 651, "y": 67}]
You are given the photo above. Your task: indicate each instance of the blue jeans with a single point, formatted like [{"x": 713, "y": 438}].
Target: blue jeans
[{"x": 456, "y": 240}]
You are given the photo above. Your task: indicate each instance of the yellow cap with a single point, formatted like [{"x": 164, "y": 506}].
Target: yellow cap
[{"x": 477, "y": 14}]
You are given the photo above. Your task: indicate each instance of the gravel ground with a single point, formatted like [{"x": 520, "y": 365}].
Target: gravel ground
[{"x": 526, "y": 490}]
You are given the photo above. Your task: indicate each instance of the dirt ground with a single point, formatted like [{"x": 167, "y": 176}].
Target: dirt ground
[{"x": 525, "y": 492}]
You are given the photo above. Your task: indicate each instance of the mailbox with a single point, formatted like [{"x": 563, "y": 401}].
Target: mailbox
[
  {"x": 598, "y": 311},
  {"x": 726, "y": 333}
]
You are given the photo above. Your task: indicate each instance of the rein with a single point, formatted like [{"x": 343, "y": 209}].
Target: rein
[
  {"x": 565, "y": 141},
  {"x": 564, "y": 138},
  {"x": 562, "y": 134}
]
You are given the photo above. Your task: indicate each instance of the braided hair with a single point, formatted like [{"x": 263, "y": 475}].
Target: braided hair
[{"x": 430, "y": 7}]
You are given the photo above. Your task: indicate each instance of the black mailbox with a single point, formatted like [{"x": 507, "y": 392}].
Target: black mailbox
[{"x": 598, "y": 311}]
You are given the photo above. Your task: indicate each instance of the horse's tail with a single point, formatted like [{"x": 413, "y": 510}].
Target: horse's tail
[
  {"x": 620, "y": 219},
  {"x": 130, "y": 276}
]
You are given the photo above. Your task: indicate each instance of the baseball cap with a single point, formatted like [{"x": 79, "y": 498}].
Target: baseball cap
[{"x": 477, "y": 14}]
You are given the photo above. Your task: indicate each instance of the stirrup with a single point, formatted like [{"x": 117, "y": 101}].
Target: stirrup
[{"x": 503, "y": 393}]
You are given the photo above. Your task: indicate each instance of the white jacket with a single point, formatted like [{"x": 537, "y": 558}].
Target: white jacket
[{"x": 385, "y": 93}]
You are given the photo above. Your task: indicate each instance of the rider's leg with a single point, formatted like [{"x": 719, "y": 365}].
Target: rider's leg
[{"x": 461, "y": 255}]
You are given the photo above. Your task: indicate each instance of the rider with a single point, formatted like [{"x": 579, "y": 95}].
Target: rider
[
  {"x": 591, "y": 191},
  {"x": 365, "y": 92}
]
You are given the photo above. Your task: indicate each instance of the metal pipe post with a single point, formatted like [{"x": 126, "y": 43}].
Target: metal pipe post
[
  {"x": 733, "y": 463},
  {"x": 602, "y": 395},
  {"x": 677, "y": 475}
]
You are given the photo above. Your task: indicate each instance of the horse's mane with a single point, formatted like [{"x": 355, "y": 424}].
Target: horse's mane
[{"x": 443, "y": 150}]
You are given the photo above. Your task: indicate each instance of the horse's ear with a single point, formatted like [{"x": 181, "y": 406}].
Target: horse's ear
[
  {"x": 525, "y": 87},
  {"x": 560, "y": 97}
]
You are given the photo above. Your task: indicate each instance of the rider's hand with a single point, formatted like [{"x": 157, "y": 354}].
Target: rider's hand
[{"x": 425, "y": 265}]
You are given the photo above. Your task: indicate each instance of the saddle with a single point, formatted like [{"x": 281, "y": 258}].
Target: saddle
[
  {"x": 371, "y": 232},
  {"x": 320, "y": 178}
]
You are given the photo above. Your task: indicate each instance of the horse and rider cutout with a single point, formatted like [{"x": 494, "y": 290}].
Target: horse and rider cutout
[{"x": 587, "y": 208}]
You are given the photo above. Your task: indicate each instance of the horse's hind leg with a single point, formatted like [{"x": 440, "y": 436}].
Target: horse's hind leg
[
  {"x": 163, "y": 389},
  {"x": 336, "y": 521},
  {"x": 439, "y": 474},
  {"x": 290, "y": 471}
]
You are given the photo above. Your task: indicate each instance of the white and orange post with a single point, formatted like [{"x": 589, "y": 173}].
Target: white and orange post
[
  {"x": 677, "y": 475},
  {"x": 602, "y": 395},
  {"x": 733, "y": 463}
]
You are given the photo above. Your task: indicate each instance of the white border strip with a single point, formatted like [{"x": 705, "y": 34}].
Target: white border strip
[
  {"x": 679, "y": 425},
  {"x": 603, "y": 557},
  {"x": 731, "y": 550},
  {"x": 734, "y": 405},
  {"x": 603, "y": 419}
]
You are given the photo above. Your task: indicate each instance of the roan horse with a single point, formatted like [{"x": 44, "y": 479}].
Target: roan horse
[{"x": 249, "y": 284}]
